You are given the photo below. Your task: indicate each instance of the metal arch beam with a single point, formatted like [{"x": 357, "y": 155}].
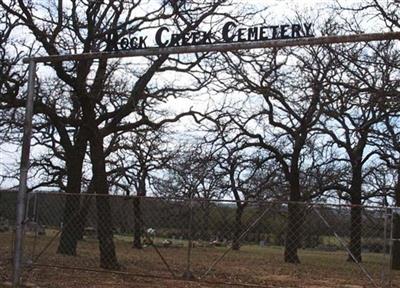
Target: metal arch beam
[{"x": 222, "y": 47}]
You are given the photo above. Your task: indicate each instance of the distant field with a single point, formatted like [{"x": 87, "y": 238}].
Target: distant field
[{"x": 262, "y": 266}]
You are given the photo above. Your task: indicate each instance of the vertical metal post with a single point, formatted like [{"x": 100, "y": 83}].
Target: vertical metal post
[
  {"x": 385, "y": 245},
  {"x": 23, "y": 177},
  {"x": 35, "y": 218},
  {"x": 188, "y": 275},
  {"x": 391, "y": 242},
  {"x": 27, "y": 207}
]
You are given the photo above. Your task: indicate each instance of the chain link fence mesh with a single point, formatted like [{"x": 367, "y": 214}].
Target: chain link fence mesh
[
  {"x": 259, "y": 243},
  {"x": 8, "y": 202}
]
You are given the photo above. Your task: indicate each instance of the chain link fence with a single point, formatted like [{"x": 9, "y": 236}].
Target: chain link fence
[{"x": 214, "y": 241}]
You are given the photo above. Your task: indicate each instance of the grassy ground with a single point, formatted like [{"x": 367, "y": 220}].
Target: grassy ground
[{"x": 262, "y": 266}]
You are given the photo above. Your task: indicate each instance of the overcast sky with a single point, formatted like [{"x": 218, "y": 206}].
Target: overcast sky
[{"x": 280, "y": 9}]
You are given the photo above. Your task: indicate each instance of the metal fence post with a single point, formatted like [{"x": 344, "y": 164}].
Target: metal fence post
[
  {"x": 35, "y": 219},
  {"x": 188, "y": 275},
  {"x": 386, "y": 269},
  {"x": 391, "y": 243},
  {"x": 24, "y": 166}
]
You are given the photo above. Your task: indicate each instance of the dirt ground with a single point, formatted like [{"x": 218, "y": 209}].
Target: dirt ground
[{"x": 252, "y": 266}]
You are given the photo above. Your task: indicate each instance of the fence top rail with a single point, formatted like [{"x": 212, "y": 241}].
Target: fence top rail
[
  {"x": 221, "y": 47},
  {"x": 226, "y": 201}
]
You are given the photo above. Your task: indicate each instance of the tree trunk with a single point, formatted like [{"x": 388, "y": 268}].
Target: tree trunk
[
  {"x": 356, "y": 216},
  {"x": 293, "y": 233},
  {"x": 138, "y": 229},
  {"x": 69, "y": 238},
  {"x": 138, "y": 221},
  {"x": 355, "y": 231},
  {"x": 108, "y": 258},
  {"x": 396, "y": 228},
  {"x": 238, "y": 226},
  {"x": 295, "y": 219},
  {"x": 71, "y": 218}
]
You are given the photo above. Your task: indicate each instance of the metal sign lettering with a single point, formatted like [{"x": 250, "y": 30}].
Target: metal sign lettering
[{"x": 230, "y": 32}]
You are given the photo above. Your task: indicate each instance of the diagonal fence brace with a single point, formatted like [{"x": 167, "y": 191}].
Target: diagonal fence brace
[
  {"x": 341, "y": 241},
  {"x": 219, "y": 259}
]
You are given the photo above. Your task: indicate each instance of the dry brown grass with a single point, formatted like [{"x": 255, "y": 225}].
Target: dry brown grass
[{"x": 251, "y": 265}]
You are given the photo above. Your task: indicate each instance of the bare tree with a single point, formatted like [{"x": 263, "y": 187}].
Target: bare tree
[
  {"x": 248, "y": 179},
  {"x": 385, "y": 13},
  {"x": 388, "y": 146},
  {"x": 137, "y": 156},
  {"x": 355, "y": 105},
  {"x": 287, "y": 106},
  {"x": 247, "y": 172},
  {"x": 88, "y": 27},
  {"x": 193, "y": 173},
  {"x": 12, "y": 79}
]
